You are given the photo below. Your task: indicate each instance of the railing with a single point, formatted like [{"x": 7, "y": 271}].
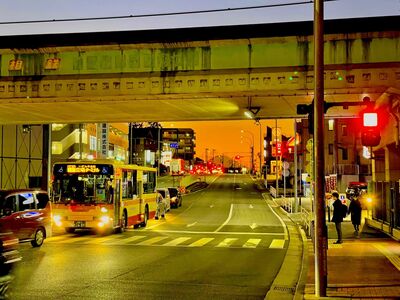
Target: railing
[{"x": 344, "y": 169}]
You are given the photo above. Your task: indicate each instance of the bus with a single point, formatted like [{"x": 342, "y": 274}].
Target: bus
[{"x": 102, "y": 196}]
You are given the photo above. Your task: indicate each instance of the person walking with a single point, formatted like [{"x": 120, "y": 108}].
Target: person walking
[
  {"x": 355, "y": 211},
  {"x": 337, "y": 217},
  {"x": 161, "y": 206}
]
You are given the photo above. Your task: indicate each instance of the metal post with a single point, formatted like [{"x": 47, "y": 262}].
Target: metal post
[
  {"x": 320, "y": 222},
  {"x": 80, "y": 141},
  {"x": 295, "y": 167},
  {"x": 276, "y": 160},
  {"x": 261, "y": 152}
]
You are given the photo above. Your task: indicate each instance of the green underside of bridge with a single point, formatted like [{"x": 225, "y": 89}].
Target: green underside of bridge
[{"x": 295, "y": 52}]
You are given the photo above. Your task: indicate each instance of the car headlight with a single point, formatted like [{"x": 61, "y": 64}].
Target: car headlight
[{"x": 57, "y": 220}]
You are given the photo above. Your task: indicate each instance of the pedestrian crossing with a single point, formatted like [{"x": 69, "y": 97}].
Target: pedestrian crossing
[{"x": 194, "y": 241}]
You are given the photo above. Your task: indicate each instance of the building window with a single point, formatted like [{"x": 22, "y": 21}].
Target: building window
[
  {"x": 93, "y": 143},
  {"x": 345, "y": 155},
  {"x": 344, "y": 130},
  {"x": 330, "y": 149}
]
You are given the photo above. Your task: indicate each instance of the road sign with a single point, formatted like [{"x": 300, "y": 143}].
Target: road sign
[
  {"x": 286, "y": 172},
  {"x": 286, "y": 165},
  {"x": 174, "y": 145}
]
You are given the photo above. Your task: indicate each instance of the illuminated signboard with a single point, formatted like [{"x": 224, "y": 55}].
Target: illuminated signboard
[{"x": 100, "y": 169}]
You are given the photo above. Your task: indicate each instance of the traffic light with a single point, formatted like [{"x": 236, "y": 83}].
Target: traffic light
[
  {"x": 237, "y": 157},
  {"x": 370, "y": 134}
]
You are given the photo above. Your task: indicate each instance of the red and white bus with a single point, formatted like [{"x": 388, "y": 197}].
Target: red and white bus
[{"x": 101, "y": 195}]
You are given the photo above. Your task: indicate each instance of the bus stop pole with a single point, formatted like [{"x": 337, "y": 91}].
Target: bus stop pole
[{"x": 320, "y": 222}]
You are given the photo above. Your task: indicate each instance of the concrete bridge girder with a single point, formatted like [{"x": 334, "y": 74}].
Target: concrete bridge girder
[
  {"x": 206, "y": 96},
  {"x": 194, "y": 80}
]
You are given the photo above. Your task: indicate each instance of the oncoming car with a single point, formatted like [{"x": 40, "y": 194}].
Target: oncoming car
[
  {"x": 27, "y": 214},
  {"x": 176, "y": 197}
]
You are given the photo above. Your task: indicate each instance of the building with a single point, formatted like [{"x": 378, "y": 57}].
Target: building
[
  {"x": 89, "y": 141},
  {"x": 152, "y": 143}
]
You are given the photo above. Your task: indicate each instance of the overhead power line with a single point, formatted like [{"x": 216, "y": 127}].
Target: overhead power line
[{"x": 162, "y": 14}]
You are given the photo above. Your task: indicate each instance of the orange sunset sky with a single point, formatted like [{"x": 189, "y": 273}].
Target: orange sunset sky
[{"x": 226, "y": 138}]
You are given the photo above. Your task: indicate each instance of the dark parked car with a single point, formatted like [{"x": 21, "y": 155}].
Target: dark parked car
[
  {"x": 176, "y": 197},
  {"x": 9, "y": 255},
  {"x": 27, "y": 214}
]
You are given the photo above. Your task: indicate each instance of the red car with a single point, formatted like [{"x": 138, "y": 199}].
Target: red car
[{"x": 27, "y": 213}]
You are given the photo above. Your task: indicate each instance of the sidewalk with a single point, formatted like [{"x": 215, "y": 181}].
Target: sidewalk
[{"x": 362, "y": 267}]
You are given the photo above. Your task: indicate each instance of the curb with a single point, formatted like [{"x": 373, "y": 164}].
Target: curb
[{"x": 290, "y": 281}]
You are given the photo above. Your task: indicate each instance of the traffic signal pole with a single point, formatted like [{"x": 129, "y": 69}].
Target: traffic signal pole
[{"x": 319, "y": 194}]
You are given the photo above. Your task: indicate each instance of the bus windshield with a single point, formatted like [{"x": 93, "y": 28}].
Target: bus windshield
[{"x": 83, "y": 188}]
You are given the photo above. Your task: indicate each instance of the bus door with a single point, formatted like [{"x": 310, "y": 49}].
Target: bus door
[
  {"x": 140, "y": 195},
  {"x": 117, "y": 203}
]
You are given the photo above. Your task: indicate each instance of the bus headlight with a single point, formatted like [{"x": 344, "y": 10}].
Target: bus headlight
[
  {"x": 104, "y": 220},
  {"x": 57, "y": 220}
]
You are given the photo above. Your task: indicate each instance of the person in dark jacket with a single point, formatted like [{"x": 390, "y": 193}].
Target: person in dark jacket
[
  {"x": 337, "y": 217},
  {"x": 355, "y": 211}
]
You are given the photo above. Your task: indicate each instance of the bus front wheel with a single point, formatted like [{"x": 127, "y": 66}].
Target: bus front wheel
[{"x": 146, "y": 217}]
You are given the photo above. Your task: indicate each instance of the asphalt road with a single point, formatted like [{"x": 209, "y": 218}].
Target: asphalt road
[{"x": 223, "y": 243}]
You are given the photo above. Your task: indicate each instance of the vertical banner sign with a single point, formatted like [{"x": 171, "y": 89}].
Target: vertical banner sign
[{"x": 104, "y": 139}]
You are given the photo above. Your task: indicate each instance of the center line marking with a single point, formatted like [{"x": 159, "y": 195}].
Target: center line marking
[{"x": 226, "y": 221}]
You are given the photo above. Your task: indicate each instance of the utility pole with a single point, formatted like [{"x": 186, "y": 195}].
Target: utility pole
[{"x": 319, "y": 163}]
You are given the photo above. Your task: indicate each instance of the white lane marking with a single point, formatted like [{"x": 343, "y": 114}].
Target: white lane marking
[
  {"x": 101, "y": 240},
  {"x": 77, "y": 240},
  {"x": 251, "y": 243},
  {"x": 226, "y": 221},
  {"x": 191, "y": 224},
  {"x": 220, "y": 232},
  {"x": 227, "y": 242},
  {"x": 277, "y": 244},
  {"x": 280, "y": 219},
  {"x": 152, "y": 240},
  {"x": 128, "y": 240},
  {"x": 254, "y": 225},
  {"x": 177, "y": 241},
  {"x": 201, "y": 242}
]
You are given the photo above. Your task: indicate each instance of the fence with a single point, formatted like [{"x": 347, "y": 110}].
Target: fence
[{"x": 386, "y": 202}]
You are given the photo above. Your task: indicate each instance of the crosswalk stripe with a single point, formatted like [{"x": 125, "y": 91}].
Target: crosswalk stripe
[
  {"x": 277, "y": 244},
  {"x": 127, "y": 240},
  {"x": 251, "y": 243},
  {"x": 76, "y": 240},
  {"x": 103, "y": 239},
  {"x": 177, "y": 241},
  {"x": 58, "y": 238},
  {"x": 227, "y": 242},
  {"x": 201, "y": 242},
  {"x": 152, "y": 240}
]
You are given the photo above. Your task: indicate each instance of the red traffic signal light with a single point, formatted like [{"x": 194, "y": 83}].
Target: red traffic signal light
[
  {"x": 237, "y": 157},
  {"x": 370, "y": 133}
]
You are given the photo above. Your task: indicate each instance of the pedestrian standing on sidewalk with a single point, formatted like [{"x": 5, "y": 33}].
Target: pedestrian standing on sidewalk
[
  {"x": 355, "y": 211},
  {"x": 337, "y": 216}
]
